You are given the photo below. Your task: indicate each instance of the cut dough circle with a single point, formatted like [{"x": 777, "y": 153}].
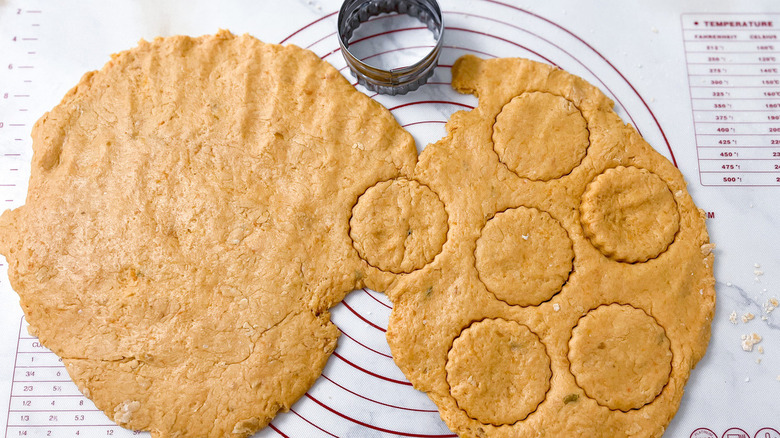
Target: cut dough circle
[
  {"x": 498, "y": 371},
  {"x": 620, "y": 356},
  {"x": 540, "y": 136},
  {"x": 629, "y": 214},
  {"x": 524, "y": 256},
  {"x": 398, "y": 225}
]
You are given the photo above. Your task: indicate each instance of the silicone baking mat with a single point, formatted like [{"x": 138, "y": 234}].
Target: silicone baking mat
[{"x": 700, "y": 80}]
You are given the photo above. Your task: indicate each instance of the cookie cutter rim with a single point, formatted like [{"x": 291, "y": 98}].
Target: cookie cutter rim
[{"x": 399, "y": 80}]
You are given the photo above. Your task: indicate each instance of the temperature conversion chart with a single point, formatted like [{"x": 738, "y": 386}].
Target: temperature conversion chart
[{"x": 734, "y": 78}]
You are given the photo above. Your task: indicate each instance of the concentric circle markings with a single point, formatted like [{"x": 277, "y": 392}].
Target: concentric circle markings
[{"x": 497, "y": 30}]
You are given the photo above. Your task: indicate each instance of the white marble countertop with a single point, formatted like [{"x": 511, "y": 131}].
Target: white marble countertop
[{"x": 634, "y": 52}]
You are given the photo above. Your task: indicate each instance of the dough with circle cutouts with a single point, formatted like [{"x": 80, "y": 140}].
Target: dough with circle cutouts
[
  {"x": 574, "y": 252},
  {"x": 199, "y": 204}
]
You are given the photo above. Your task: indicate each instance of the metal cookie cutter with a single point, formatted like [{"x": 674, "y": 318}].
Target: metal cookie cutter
[{"x": 398, "y": 80}]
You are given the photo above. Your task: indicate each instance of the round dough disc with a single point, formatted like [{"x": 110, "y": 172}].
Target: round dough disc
[
  {"x": 629, "y": 214},
  {"x": 498, "y": 371},
  {"x": 620, "y": 356},
  {"x": 398, "y": 226},
  {"x": 524, "y": 256},
  {"x": 540, "y": 136}
]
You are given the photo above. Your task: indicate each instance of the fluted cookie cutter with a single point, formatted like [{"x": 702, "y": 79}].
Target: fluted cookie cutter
[{"x": 398, "y": 80}]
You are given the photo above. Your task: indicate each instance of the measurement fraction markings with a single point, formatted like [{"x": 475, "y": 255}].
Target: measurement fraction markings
[{"x": 41, "y": 402}]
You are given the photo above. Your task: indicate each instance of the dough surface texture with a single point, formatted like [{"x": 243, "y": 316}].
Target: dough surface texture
[
  {"x": 187, "y": 228},
  {"x": 198, "y": 205}
]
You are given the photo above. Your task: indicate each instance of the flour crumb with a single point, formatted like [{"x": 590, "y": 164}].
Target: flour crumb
[
  {"x": 747, "y": 317},
  {"x": 733, "y": 317},
  {"x": 654, "y": 29},
  {"x": 756, "y": 265},
  {"x": 761, "y": 349},
  {"x": 770, "y": 305},
  {"x": 358, "y": 145},
  {"x": 123, "y": 412},
  {"x": 556, "y": 307},
  {"x": 524, "y": 236},
  {"x": 728, "y": 284},
  {"x": 748, "y": 341},
  {"x": 707, "y": 248},
  {"x": 758, "y": 361},
  {"x": 747, "y": 379}
]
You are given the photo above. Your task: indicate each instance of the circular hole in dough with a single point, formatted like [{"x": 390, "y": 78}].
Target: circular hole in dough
[
  {"x": 620, "y": 356},
  {"x": 398, "y": 225},
  {"x": 629, "y": 214},
  {"x": 540, "y": 136},
  {"x": 498, "y": 371},
  {"x": 524, "y": 256}
]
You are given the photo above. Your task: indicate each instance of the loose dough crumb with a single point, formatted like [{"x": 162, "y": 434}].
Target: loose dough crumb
[
  {"x": 748, "y": 341},
  {"x": 123, "y": 412},
  {"x": 707, "y": 248},
  {"x": 733, "y": 317},
  {"x": 770, "y": 305},
  {"x": 747, "y": 317}
]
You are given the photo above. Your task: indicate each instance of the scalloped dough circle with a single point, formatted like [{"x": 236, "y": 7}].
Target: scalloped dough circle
[
  {"x": 398, "y": 225},
  {"x": 524, "y": 256},
  {"x": 498, "y": 371},
  {"x": 540, "y": 136},
  {"x": 620, "y": 356},
  {"x": 629, "y": 214}
]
